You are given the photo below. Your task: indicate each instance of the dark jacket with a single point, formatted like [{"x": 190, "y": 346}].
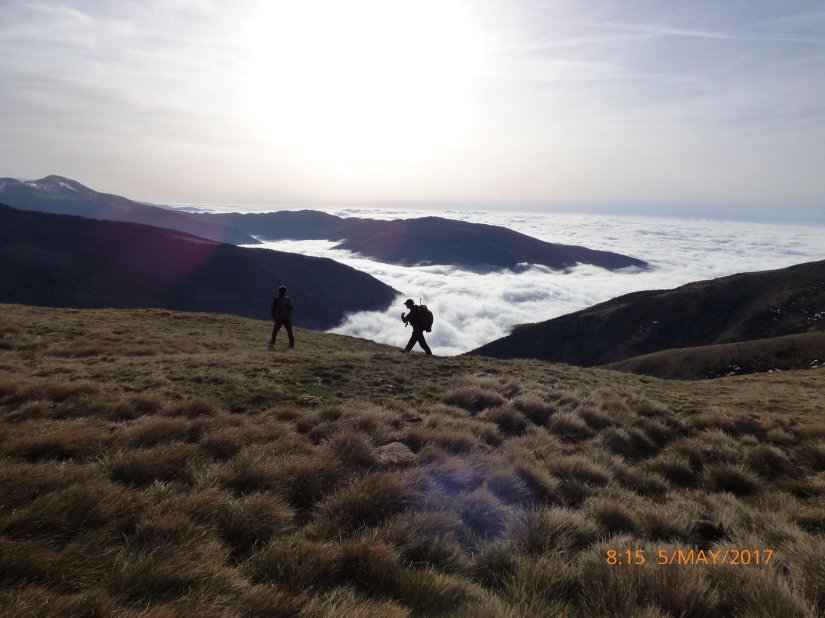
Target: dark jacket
[{"x": 282, "y": 308}]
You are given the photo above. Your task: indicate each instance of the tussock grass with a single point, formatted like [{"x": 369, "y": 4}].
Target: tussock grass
[
  {"x": 225, "y": 442},
  {"x": 595, "y": 418},
  {"x": 629, "y": 443},
  {"x": 812, "y": 455},
  {"x": 454, "y": 440},
  {"x": 21, "y": 482},
  {"x": 353, "y": 450},
  {"x": 64, "y": 513},
  {"x": 612, "y": 516},
  {"x": 507, "y": 486},
  {"x": 169, "y": 572},
  {"x": 39, "y": 602},
  {"x": 369, "y": 565},
  {"x": 543, "y": 486},
  {"x": 483, "y": 514},
  {"x": 770, "y": 462},
  {"x": 582, "y": 469},
  {"x": 194, "y": 408},
  {"x": 251, "y": 521},
  {"x": 676, "y": 469},
  {"x": 472, "y": 398},
  {"x": 709, "y": 446},
  {"x": 395, "y": 454},
  {"x": 509, "y": 420},
  {"x": 249, "y": 472},
  {"x": 155, "y": 430},
  {"x": 534, "y": 408},
  {"x": 427, "y": 539},
  {"x": 730, "y": 478},
  {"x": 554, "y": 529},
  {"x": 165, "y": 529},
  {"x": 54, "y": 440},
  {"x": 164, "y": 464},
  {"x": 262, "y": 601},
  {"x": 570, "y": 427},
  {"x": 141, "y": 467},
  {"x": 432, "y": 592},
  {"x": 346, "y": 603},
  {"x": 296, "y": 563},
  {"x": 303, "y": 481},
  {"x": 47, "y": 390},
  {"x": 366, "y": 502}
]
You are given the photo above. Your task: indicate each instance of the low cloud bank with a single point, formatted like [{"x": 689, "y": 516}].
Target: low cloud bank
[{"x": 472, "y": 309}]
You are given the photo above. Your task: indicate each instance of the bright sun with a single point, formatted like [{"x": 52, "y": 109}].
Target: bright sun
[{"x": 364, "y": 83}]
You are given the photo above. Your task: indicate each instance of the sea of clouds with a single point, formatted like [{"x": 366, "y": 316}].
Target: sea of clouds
[{"x": 472, "y": 309}]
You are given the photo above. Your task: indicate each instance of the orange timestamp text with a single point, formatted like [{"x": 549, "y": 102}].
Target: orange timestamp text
[{"x": 733, "y": 557}]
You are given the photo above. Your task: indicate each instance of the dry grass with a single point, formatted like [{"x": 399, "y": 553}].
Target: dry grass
[{"x": 189, "y": 472}]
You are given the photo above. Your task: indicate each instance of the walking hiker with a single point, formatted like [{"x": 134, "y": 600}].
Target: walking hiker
[
  {"x": 282, "y": 315},
  {"x": 421, "y": 319}
]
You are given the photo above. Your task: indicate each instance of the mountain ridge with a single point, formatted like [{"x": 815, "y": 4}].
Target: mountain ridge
[
  {"x": 60, "y": 195},
  {"x": 736, "y": 308},
  {"x": 66, "y": 260},
  {"x": 423, "y": 240}
]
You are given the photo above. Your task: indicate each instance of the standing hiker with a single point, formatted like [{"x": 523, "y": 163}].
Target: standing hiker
[
  {"x": 282, "y": 315},
  {"x": 421, "y": 319}
]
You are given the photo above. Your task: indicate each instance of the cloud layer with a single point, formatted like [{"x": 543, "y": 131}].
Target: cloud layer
[{"x": 471, "y": 309}]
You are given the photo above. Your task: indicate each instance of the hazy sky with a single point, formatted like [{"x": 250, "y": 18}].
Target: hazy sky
[{"x": 463, "y": 102}]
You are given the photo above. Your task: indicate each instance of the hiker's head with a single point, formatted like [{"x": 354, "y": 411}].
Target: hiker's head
[
  {"x": 282, "y": 291},
  {"x": 409, "y": 303}
]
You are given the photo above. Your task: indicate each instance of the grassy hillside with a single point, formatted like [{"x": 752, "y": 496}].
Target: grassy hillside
[
  {"x": 742, "y": 307},
  {"x": 712, "y": 361},
  {"x": 155, "y": 463}
]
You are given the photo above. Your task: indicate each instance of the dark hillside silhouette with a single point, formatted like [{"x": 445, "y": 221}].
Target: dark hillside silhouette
[
  {"x": 730, "y": 309},
  {"x": 65, "y": 261},
  {"x": 425, "y": 240}
]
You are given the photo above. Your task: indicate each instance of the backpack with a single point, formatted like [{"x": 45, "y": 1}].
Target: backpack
[{"x": 426, "y": 317}]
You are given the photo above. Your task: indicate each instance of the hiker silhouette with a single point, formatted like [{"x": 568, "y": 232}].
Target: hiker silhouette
[
  {"x": 418, "y": 319},
  {"x": 282, "y": 315}
]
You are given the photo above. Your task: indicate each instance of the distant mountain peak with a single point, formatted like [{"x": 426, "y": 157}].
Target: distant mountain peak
[
  {"x": 60, "y": 195},
  {"x": 54, "y": 187}
]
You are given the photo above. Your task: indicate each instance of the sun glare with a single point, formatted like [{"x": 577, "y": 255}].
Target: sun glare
[{"x": 365, "y": 83}]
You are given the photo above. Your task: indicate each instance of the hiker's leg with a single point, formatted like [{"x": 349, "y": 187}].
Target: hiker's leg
[
  {"x": 288, "y": 326},
  {"x": 411, "y": 342},
  {"x": 423, "y": 343},
  {"x": 275, "y": 328}
]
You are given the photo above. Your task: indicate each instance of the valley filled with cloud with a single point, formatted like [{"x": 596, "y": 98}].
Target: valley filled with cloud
[{"x": 472, "y": 309}]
